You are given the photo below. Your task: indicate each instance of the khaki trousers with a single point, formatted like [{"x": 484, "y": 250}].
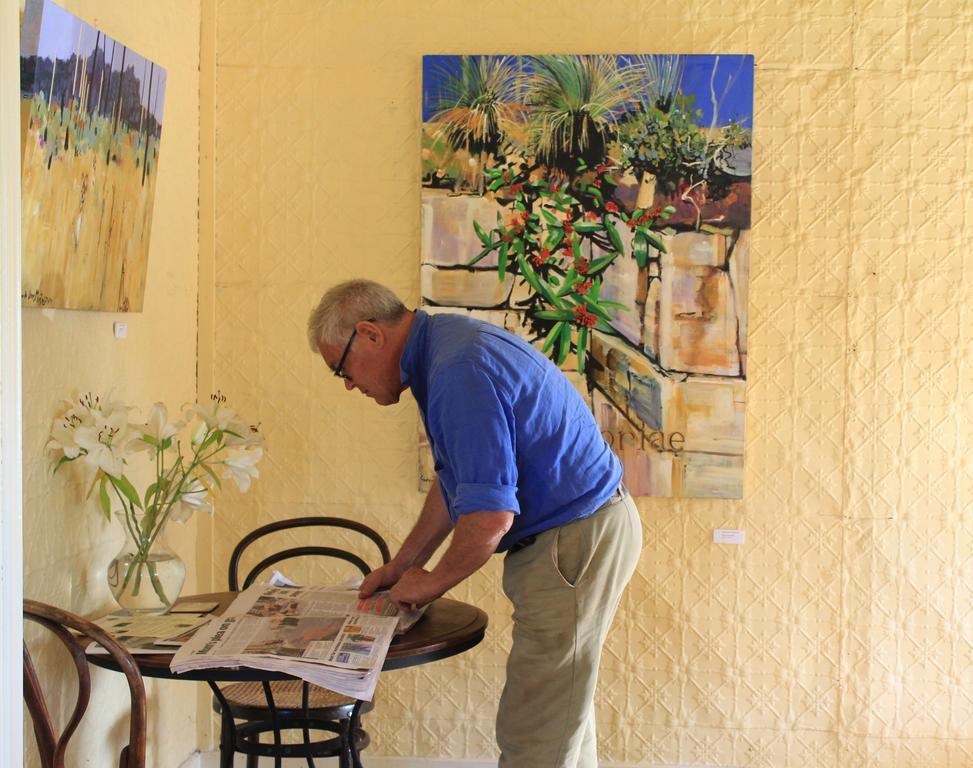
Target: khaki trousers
[{"x": 565, "y": 588}]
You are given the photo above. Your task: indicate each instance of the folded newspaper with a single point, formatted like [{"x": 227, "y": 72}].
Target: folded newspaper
[{"x": 325, "y": 635}]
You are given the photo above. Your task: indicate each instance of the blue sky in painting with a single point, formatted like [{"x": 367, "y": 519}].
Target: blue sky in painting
[
  {"x": 62, "y": 34},
  {"x": 734, "y": 75}
]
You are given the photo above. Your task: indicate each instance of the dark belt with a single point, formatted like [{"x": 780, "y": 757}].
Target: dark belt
[{"x": 525, "y": 542}]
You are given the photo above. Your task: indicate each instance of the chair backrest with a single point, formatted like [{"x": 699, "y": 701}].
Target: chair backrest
[
  {"x": 51, "y": 744},
  {"x": 303, "y": 551}
]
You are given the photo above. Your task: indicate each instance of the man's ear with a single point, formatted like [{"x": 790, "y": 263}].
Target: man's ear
[{"x": 371, "y": 332}]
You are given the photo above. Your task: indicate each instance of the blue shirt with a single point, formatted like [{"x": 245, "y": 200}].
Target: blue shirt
[{"x": 508, "y": 431}]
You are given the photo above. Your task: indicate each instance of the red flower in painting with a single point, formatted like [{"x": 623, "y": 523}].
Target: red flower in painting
[
  {"x": 582, "y": 288},
  {"x": 583, "y": 317},
  {"x": 591, "y": 216},
  {"x": 581, "y": 266},
  {"x": 568, "y": 227},
  {"x": 611, "y": 207}
]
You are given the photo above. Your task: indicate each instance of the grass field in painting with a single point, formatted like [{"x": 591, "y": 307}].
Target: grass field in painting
[{"x": 88, "y": 185}]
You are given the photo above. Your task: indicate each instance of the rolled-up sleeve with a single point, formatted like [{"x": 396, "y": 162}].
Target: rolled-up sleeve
[{"x": 471, "y": 424}]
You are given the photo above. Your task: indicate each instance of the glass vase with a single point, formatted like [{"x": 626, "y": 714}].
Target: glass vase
[{"x": 145, "y": 577}]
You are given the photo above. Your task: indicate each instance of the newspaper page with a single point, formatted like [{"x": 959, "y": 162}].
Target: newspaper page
[
  {"x": 315, "y": 633},
  {"x": 264, "y": 600},
  {"x": 148, "y": 634}
]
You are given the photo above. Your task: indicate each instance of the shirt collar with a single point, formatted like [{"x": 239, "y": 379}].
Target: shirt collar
[{"x": 415, "y": 344}]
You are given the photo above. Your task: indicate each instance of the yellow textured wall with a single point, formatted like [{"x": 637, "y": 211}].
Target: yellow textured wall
[
  {"x": 841, "y": 633},
  {"x": 67, "y": 545}
]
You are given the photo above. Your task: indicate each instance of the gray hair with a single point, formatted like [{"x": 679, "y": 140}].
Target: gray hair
[{"x": 345, "y": 304}]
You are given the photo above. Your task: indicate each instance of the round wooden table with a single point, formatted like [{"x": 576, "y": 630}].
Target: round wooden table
[{"x": 448, "y": 627}]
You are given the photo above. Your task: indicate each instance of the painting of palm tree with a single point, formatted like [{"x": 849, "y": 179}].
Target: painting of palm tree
[
  {"x": 91, "y": 124},
  {"x": 599, "y": 206}
]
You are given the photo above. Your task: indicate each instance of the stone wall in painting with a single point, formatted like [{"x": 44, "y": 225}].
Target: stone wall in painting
[{"x": 669, "y": 389}]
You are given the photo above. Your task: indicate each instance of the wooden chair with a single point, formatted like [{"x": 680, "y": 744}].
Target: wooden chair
[
  {"x": 292, "y": 705},
  {"x": 50, "y": 744}
]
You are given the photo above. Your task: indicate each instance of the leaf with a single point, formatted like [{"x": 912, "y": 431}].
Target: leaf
[
  {"x": 596, "y": 308},
  {"x": 550, "y": 218},
  {"x": 601, "y": 263},
  {"x": 212, "y": 474},
  {"x": 595, "y": 193},
  {"x": 613, "y": 235},
  {"x": 656, "y": 243},
  {"x": 587, "y": 226},
  {"x": 148, "y": 492},
  {"x": 502, "y": 261},
  {"x": 127, "y": 489},
  {"x": 551, "y": 337},
  {"x": 63, "y": 460},
  {"x": 576, "y": 249},
  {"x": 103, "y": 499},
  {"x": 640, "y": 249},
  {"x": 565, "y": 345},
  {"x": 613, "y": 304},
  {"x": 553, "y": 314},
  {"x": 481, "y": 233},
  {"x": 537, "y": 284},
  {"x": 554, "y": 238},
  {"x": 518, "y": 205},
  {"x": 582, "y": 350},
  {"x": 569, "y": 280},
  {"x": 483, "y": 253},
  {"x": 496, "y": 184}
]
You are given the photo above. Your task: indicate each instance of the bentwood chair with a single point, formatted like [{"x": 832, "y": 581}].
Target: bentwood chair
[
  {"x": 276, "y": 707},
  {"x": 50, "y": 743}
]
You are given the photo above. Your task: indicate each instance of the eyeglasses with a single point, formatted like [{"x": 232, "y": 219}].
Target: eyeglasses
[{"x": 338, "y": 371}]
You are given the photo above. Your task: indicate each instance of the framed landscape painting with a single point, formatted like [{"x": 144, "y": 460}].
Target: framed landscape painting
[
  {"x": 91, "y": 122},
  {"x": 599, "y": 206}
]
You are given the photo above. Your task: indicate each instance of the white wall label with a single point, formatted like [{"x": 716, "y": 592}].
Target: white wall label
[
  {"x": 728, "y": 536},
  {"x": 121, "y": 330}
]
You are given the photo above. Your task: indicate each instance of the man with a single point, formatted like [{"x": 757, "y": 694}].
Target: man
[{"x": 522, "y": 468}]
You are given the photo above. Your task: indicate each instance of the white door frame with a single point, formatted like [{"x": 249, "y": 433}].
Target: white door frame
[{"x": 11, "y": 458}]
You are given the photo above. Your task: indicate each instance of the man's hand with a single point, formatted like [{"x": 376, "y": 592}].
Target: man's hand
[
  {"x": 385, "y": 576},
  {"x": 416, "y": 588}
]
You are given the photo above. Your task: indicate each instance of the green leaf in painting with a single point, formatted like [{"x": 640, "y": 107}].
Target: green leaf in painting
[
  {"x": 502, "y": 262},
  {"x": 585, "y": 226},
  {"x": 565, "y": 344},
  {"x": 551, "y": 337},
  {"x": 655, "y": 242},
  {"x": 613, "y": 235},
  {"x": 596, "y": 308},
  {"x": 582, "y": 349},
  {"x": 481, "y": 233},
  {"x": 640, "y": 249},
  {"x": 601, "y": 263}
]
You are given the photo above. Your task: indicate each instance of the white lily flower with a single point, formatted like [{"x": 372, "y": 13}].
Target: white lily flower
[
  {"x": 216, "y": 416},
  {"x": 242, "y": 434},
  {"x": 158, "y": 427},
  {"x": 240, "y": 465},
  {"x": 193, "y": 497},
  {"x": 99, "y": 451},
  {"x": 63, "y": 438}
]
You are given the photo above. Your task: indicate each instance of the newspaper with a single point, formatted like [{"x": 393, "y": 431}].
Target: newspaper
[
  {"x": 148, "y": 634},
  {"x": 324, "y": 635}
]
